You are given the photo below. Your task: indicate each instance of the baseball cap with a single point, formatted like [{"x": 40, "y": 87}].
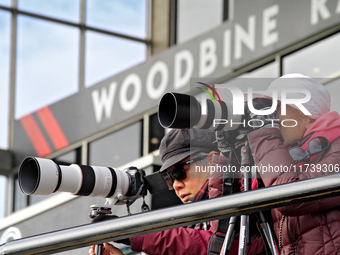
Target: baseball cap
[
  {"x": 178, "y": 144},
  {"x": 318, "y": 104}
]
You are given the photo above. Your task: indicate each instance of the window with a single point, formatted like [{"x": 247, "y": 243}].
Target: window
[
  {"x": 333, "y": 88},
  {"x": 156, "y": 133},
  {"x": 47, "y": 62},
  {"x": 2, "y": 195},
  {"x": 266, "y": 71},
  {"x": 107, "y": 55},
  {"x": 71, "y": 157},
  {"x": 4, "y": 77},
  {"x": 319, "y": 60},
  {"x": 5, "y": 2},
  {"x": 20, "y": 199},
  {"x": 121, "y": 16},
  {"x": 118, "y": 148},
  {"x": 258, "y": 79},
  {"x": 61, "y": 9},
  {"x": 195, "y": 17}
]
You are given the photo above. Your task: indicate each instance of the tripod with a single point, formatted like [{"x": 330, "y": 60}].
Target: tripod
[
  {"x": 103, "y": 212},
  {"x": 100, "y": 213},
  {"x": 265, "y": 229}
]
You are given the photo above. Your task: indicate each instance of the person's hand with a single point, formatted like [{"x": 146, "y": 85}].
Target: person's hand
[
  {"x": 257, "y": 121},
  {"x": 108, "y": 249}
]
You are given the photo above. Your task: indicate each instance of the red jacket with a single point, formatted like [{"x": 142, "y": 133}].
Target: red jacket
[
  {"x": 173, "y": 241},
  {"x": 306, "y": 228},
  {"x": 190, "y": 240}
]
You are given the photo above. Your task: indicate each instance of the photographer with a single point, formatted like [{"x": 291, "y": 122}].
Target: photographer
[
  {"x": 181, "y": 151},
  {"x": 308, "y": 149}
]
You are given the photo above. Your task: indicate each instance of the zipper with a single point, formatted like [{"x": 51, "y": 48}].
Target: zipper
[{"x": 280, "y": 233}]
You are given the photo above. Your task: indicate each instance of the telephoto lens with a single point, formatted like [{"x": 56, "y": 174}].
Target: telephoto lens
[
  {"x": 39, "y": 176},
  {"x": 181, "y": 111}
]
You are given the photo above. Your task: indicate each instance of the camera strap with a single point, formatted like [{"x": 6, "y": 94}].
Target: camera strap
[{"x": 142, "y": 191}]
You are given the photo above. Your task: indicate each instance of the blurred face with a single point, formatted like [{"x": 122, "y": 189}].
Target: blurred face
[
  {"x": 291, "y": 134},
  {"x": 188, "y": 188}
]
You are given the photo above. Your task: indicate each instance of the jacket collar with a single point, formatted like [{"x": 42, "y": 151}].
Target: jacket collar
[{"x": 202, "y": 194}]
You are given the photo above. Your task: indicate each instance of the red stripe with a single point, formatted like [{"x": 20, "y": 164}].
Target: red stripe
[
  {"x": 52, "y": 127},
  {"x": 221, "y": 233},
  {"x": 202, "y": 190},
  {"x": 35, "y": 135}
]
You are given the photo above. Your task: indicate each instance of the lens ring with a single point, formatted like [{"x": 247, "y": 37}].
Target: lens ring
[{"x": 29, "y": 175}]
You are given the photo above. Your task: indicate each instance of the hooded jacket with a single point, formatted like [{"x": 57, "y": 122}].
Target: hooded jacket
[{"x": 311, "y": 227}]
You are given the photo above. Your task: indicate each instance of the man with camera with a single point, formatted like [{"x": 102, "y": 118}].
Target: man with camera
[
  {"x": 184, "y": 153},
  {"x": 181, "y": 151},
  {"x": 306, "y": 146}
]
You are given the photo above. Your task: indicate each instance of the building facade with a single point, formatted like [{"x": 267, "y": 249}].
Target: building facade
[{"x": 81, "y": 81}]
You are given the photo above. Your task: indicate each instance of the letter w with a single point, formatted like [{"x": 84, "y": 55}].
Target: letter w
[{"x": 104, "y": 101}]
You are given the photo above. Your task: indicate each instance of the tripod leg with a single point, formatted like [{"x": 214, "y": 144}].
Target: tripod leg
[
  {"x": 268, "y": 235},
  {"x": 99, "y": 249},
  {"x": 229, "y": 236},
  {"x": 244, "y": 228}
]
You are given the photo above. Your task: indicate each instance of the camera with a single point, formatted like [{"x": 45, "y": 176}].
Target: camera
[
  {"x": 185, "y": 111},
  {"x": 40, "y": 176}
]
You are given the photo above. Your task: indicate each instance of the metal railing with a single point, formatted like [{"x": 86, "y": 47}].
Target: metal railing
[{"x": 178, "y": 216}]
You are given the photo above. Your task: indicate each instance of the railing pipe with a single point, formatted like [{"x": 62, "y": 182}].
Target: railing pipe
[{"x": 173, "y": 217}]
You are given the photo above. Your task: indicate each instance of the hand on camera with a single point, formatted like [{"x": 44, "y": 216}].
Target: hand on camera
[
  {"x": 259, "y": 121},
  {"x": 108, "y": 249}
]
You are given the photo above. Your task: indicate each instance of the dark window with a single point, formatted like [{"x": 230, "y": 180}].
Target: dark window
[
  {"x": 319, "y": 60},
  {"x": 156, "y": 133},
  {"x": 20, "y": 199},
  {"x": 118, "y": 148},
  {"x": 225, "y": 10},
  {"x": 71, "y": 157}
]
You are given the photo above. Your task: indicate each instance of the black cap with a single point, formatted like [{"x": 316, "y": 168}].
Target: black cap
[{"x": 181, "y": 143}]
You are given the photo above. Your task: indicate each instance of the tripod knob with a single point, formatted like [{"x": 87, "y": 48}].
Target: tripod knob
[{"x": 99, "y": 209}]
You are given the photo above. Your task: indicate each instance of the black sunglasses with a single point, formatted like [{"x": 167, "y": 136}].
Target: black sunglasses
[
  {"x": 178, "y": 172},
  {"x": 315, "y": 145}
]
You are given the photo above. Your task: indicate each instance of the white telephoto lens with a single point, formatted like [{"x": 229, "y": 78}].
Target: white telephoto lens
[{"x": 38, "y": 176}]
